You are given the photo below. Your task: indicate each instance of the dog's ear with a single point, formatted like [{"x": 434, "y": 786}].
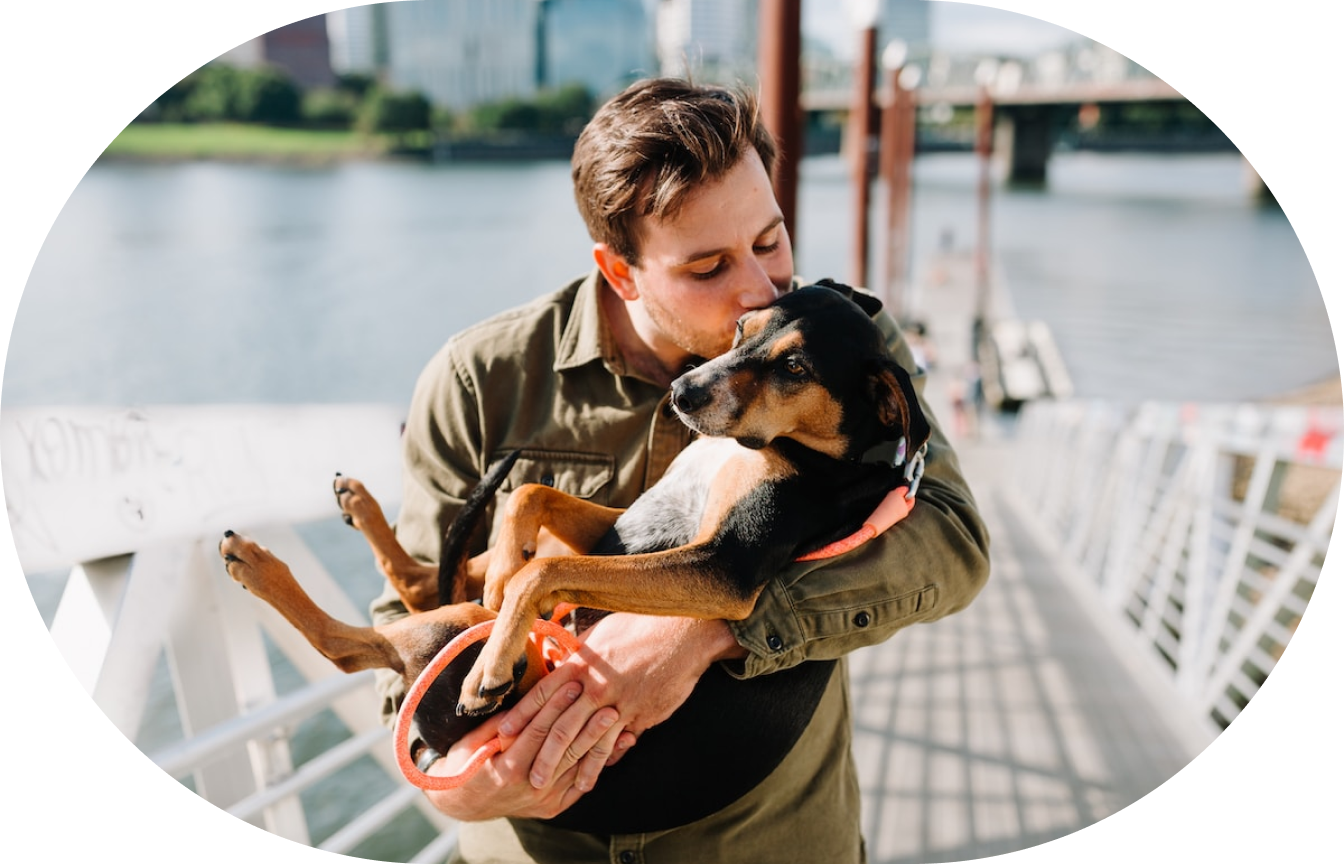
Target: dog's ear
[
  {"x": 898, "y": 405},
  {"x": 867, "y": 302}
]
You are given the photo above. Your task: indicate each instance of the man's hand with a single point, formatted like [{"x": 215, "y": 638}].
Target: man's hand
[
  {"x": 505, "y": 785},
  {"x": 643, "y": 666},
  {"x": 631, "y": 673}
]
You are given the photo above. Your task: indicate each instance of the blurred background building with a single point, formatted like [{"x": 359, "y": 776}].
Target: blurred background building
[
  {"x": 302, "y": 50},
  {"x": 461, "y": 53},
  {"x": 712, "y": 40},
  {"x": 464, "y": 53}
]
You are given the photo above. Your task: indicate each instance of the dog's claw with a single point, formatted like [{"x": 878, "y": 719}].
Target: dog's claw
[
  {"x": 348, "y": 519},
  {"x": 464, "y": 711}
]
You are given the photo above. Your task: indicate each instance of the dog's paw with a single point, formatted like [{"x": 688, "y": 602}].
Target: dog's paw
[
  {"x": 481, "y": 697},
  {"x": 359, "y": 509},
  {"x": 250, "y": 564}
]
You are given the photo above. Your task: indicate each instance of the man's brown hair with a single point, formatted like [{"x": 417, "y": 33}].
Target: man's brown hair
[{"x": 652, "y": 145}]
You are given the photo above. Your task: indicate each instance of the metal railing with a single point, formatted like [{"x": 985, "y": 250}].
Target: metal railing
[
  {"x": 133, "y": 503},
  {"x": 1202, "y": 529}
]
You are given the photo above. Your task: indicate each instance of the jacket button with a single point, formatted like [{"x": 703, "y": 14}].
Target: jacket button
[
  {"x": 627, "y": 857},
  {"x": 775, "y": 643},
  {"x": 863, "y": 619},
  {"x": 548, "y": 479}
]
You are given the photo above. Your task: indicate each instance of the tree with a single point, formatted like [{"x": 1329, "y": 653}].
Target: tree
[
  {"x": 266, "y": 95},
  {"x": 212, "y": 95},
  {"x": 395, "y": 113},
  {"x": 563, "y": 111}
]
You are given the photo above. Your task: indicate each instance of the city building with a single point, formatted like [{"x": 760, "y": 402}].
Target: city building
[
  {"x": 907, "y": 20},
  {"x": 460, "y": 53},
  {"x": 711, "y": 40},
  {"x": 300, "y": 50},
  {"x": 601, "y": 44},
  {"x": 358, "y": 38}
]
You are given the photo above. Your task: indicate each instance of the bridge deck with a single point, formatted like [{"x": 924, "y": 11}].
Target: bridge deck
[{"x": 1015, "y": 721}]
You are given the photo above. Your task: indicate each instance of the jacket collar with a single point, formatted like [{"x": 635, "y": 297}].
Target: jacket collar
[{"x": 586, "y": 336}]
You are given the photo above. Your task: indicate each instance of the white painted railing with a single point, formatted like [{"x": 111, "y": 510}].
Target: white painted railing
[
  {"x": 133, "y": 504},
  {"x": 1202, "y": 528}
]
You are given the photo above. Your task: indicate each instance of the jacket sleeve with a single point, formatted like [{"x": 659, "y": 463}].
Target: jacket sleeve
[
  {"x": 931, "y": 564},
  {"x": 436, "y": 480}
]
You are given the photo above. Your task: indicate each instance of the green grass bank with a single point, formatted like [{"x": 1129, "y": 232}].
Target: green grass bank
[{"x": 238, "y": 141}]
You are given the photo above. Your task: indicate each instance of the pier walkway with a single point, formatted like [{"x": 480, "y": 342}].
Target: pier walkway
[{"x": 1013, "y": 722}]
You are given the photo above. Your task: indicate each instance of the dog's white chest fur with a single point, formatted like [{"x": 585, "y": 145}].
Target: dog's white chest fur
[{"x": 669, "y": 513}]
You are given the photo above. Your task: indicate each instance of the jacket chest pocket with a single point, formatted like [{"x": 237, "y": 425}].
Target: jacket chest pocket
[{"x": 583, "y": 475}]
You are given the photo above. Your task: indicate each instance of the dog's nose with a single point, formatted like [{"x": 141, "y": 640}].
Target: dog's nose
[{"x": 689, "y": 397}]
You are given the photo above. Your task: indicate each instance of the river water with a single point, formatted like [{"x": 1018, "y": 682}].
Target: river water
[
  {"x": 220, "y": 283},
  {"x": 209, "y": 282}
]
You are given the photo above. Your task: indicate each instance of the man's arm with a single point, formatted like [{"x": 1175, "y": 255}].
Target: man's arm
[{"x": 633, "y": 672}]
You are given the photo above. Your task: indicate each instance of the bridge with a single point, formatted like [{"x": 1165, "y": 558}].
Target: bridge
[
  {"x": 1034, "y": 116},
  {"x": 1149, "y": 565}
]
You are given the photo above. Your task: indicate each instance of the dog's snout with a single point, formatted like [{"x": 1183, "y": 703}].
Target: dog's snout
[{"x": 688, "y": 396}]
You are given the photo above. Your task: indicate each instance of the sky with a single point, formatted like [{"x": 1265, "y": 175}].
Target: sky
[{"x": 956, "y": 27}]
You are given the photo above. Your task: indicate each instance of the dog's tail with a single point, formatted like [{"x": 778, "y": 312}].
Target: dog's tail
[{"x": 457, "y": 540}]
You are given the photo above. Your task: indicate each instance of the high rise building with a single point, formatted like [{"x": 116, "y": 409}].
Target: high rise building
[
  {"x": 601, "y": 44},
  {"x": 711, "y": 40},
  {"x": 358, "y": 38},
  {"x": 460, "y": 53},
  {"x": 300, "y": 50},
  {"x": 907, "y": 20}
]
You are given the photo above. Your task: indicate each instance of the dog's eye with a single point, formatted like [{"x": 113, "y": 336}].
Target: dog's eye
[{"x": 794, "y": 368}]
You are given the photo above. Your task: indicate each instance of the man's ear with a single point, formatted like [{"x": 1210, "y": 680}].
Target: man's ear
[{"x": 616, "y": 270}]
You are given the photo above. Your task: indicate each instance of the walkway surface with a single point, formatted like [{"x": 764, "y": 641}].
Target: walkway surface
[{"x": 1014, "y": 722}]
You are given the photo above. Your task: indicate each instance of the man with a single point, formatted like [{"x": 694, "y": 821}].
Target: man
[{"x": 673, "y": 181}]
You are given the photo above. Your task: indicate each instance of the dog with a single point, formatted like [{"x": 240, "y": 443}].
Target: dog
[{"x": 783, "y": 418}]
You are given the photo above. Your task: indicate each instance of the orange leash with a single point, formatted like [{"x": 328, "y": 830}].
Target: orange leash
[
  {"x": 895, "y": 507},
  {"x": 562, "y": 644}
]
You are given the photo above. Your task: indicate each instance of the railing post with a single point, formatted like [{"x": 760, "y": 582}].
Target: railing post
[
  {"x": 780, "y": 23},
  {"x": 859, "y": 143}
]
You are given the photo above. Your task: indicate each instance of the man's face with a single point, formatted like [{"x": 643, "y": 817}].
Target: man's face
[{"x": 727, "y": 252}]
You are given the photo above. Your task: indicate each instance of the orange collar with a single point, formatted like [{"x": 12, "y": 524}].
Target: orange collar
[{"x": 895, "y": 507}]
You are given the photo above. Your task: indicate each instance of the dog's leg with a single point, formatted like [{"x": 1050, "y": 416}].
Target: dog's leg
[
  {"x": 350, "y": 648},
  {"x": 405, "y": 645},
  {"x": 417, "y": 584},
  {"x": 576, "y": 523},
  {"x": 683, "y": 581}
]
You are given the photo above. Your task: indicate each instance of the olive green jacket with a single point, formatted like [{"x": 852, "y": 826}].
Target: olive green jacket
[{"x": 547, "y": 378}]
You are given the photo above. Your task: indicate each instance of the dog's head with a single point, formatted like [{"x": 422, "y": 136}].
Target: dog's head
[{"x": 811, "y": 367}]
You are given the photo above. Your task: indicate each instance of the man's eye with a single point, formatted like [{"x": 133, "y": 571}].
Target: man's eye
[{"x": 708, "y": 274}]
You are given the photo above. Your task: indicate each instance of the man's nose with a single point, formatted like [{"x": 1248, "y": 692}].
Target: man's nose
[{"x": 757, "y": 290}]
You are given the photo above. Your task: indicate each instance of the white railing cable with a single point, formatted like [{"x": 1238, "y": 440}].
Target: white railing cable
[
  {"x": 1202, "y": 528},
  {"x": 182, "y": 757},
  {"x": 311, "y": 772}
]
